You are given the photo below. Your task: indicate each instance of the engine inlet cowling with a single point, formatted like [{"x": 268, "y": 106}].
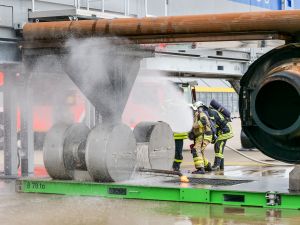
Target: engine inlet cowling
[{"x": 270, "y": 103}]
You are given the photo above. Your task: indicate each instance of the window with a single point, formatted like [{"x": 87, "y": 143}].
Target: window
[
  {"x": 219, "y": 53},
  {"x": 289, "y": 3},
  {"x": 220, "y": 67}
]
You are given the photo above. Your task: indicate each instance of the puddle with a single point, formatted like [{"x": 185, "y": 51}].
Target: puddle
[{"x": 24, "y": 209}]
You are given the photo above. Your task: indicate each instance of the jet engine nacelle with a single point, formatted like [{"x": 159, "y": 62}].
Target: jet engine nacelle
[{"x": 270, "y": 103}]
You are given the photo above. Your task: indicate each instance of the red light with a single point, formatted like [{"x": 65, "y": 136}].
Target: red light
[{"x": 1, "y": 78}]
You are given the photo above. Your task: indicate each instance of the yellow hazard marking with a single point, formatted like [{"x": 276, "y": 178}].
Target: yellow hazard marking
[{"x": 214, "y": 89}]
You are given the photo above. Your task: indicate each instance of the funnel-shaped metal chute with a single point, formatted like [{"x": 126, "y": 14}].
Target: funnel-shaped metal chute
[{"x": 105, "y": 74}]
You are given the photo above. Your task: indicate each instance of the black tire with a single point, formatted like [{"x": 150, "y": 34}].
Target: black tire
[{"x": 245, "y": 141}]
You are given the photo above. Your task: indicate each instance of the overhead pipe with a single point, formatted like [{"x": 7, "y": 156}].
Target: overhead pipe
[{"x": 167, "y": 29}]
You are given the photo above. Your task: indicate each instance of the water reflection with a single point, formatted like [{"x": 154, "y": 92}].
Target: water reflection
[
  {"x": 24, "y": 209},
  {"x": 258, "y": 171},
  {"x": 217, "y": 214}
]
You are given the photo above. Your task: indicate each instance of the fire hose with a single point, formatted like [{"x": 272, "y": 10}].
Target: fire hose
[{"x": 256, "y": 160}]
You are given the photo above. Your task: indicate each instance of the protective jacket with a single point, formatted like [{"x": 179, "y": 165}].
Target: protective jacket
[
  {"x": 201, "y": 126},
  {"x": 224, "y": 128}
]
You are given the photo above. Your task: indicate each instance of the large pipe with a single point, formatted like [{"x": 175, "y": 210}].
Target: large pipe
[
  {"x": 270, "y": 103},
  {"x": 277, "y": 103},
  {"x": 167, "y": 29}
]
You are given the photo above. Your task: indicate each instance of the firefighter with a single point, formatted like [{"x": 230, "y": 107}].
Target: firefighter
[
  {"x": 202, "y": 137},
  {"x": 224, "y": 132},
  {"x": 179, "y": 137}
]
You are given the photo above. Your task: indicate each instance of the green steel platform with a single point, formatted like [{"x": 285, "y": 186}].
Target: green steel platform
[{"x": 267, "y": 192}]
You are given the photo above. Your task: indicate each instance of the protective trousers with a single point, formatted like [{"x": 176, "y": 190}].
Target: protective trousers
[
  {"x": 219, "y": 152},
  {"x": 178, "y": 154},
  {"x": 198, "y": 153}
]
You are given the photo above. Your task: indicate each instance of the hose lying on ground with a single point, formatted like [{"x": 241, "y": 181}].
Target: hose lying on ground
[
  {"x": 256, "y": 160},
  {"x": 168, "y": 172},
  {"x": 183, "y": 178}
]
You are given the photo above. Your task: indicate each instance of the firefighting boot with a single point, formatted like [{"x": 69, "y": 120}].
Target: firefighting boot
[
  {"x": 176, "y": 166},
  {"x": 222, "y": 165},
  {"x": 217, "y": 164},
  {"x": 199, "y": 171},
  {"x": 208, "y": 167}
]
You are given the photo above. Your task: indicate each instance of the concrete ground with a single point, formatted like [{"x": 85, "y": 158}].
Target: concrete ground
[{"x": 21, "y": 208}]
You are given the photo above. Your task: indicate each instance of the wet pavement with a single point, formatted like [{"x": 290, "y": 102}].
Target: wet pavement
[
  {"x": 47, "y": 209},
  {"x": 22, "y": 208}
]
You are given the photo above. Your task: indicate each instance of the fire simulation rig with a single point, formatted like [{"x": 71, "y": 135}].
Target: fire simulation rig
[{"x": 269, "y": 96}]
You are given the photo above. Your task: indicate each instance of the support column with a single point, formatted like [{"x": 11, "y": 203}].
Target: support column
[
  {"x": 235, "y": 85},
  {"x": 98, "y": 118},
  {"x": 90, "y": 114},
  {"x": 10, "y": 121},
  {"x": 26, "y": 132},
  {"x": 294, "y": 179}
]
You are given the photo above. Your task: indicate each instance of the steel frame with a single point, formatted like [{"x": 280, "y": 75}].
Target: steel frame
[
  {"x": 10, "y": 121},
  {"x": 163, "y": 193},
  {"x": 26, "y": 131}
]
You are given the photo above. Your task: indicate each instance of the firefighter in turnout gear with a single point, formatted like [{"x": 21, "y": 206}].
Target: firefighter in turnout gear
[
  {"x": 223, "y": 132},
  {"x": 202, "y": 137},
  {"x": 179, "y": 137}
]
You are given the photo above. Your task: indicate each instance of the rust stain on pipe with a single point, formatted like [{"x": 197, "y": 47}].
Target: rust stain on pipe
[{"x": 282, "y": 22}]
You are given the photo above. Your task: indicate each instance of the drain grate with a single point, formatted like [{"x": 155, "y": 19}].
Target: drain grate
[{"x": 210, "y": 181}]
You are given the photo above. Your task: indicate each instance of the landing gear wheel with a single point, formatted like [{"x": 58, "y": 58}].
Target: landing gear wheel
[
  {"x": 74, "y": 146},
  {"x": 161, "y": 144},
  {"x": 111, "y": 153},
  {"x": 60, "y": 143},
  {"x": 245, "y": 141}
]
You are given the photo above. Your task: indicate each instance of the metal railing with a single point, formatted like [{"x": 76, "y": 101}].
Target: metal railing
[
  {"x": 100, "y": 6},
  {"x": 78, "y": 5},
  {"x": 90, "y": 1},
  {"x": 85, "y": 4}
]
